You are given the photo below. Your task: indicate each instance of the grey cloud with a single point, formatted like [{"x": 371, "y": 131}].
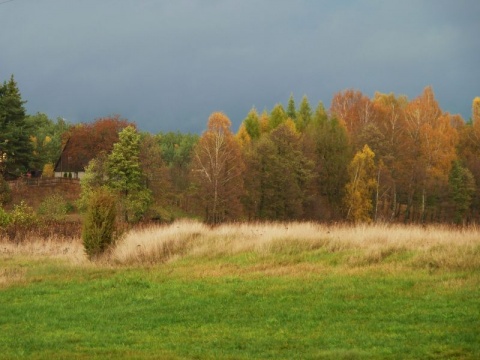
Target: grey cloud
[{"x": 167, "y": 65}]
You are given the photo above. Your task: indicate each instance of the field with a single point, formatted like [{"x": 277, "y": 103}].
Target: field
[{"x": 246, "y": 291}]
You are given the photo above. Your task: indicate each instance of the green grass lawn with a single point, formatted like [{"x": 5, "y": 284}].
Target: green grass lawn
[{"x": 232, "y": 308}]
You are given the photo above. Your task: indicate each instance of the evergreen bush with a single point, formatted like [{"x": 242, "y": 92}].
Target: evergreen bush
[{"x": 99, "y": 225}]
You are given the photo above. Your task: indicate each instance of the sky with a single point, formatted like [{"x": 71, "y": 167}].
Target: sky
[{"x": 168, "y": 64}]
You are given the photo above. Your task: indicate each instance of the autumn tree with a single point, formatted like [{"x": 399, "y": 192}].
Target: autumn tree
[
  {"x": 87, "y": 140},
  {"x": 476, "y": 109},
  {"x": 359, "y": 189},
  {"x": 217, "y": 168},
  {"x": 387, "y": 138},
  {"x": 355, "y": 110},
  {"x": 264, "y": 122},
  {"x": 242, "y": 136},
  {"x": 431, "y": 146}
]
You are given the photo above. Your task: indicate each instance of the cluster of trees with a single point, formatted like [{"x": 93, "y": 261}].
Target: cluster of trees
[
  {"x": 381, "y": 159},
  {"x": 385, "y": 158},
  {"x": 27, "y": 142}
]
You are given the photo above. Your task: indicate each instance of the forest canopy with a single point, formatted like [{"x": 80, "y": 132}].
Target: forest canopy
[{"x": 384, "y": 158}]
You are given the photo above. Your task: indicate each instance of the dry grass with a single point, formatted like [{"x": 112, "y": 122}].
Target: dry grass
[
  {"x": 432, "y": 246},
  {"x": 54, "y": 247},
  {"x": 13, "y": 254},
  {"x": 280, "y": 246},
  {"x": 10, "y": 276}
]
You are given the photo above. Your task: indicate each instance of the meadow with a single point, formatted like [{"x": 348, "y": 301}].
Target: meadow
[{"x": 246, "y": 291}]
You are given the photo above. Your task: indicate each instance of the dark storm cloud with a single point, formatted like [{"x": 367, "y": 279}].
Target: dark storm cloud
[{"x": 168, "y": 64}]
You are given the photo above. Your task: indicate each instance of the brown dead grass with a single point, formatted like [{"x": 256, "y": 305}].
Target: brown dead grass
[
  {"x": 433, "y": 247},
  {"x": 54, "y": 248},
  {"x": 271, "y": 248}
]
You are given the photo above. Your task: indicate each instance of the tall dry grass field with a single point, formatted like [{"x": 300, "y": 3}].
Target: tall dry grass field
[
  {"x": 435, "y": 247},
  {"x": 362, "y": 245}
]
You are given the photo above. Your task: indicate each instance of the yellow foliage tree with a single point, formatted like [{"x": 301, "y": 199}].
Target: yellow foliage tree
[
  {"x": 264, "y": 123},
  {"x": 359, "y": 190},
  {"x": 48, "y": 170},
  {"x": 243, "y": 137}
]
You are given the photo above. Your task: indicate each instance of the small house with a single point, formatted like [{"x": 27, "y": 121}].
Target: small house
[{"x": 71, "y": 163}]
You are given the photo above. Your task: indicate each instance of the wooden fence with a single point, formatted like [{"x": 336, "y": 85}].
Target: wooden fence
[{"x": 44, "y": 182}]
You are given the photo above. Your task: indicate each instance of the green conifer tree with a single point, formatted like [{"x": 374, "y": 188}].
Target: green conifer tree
[
  {"x": 304, "y": 116},
  {"x": 462, "y": 189},
  {"x": 252, "y": 124},
  {"x": 277, "y": 116},
  {"x": 291, "y": 109},
  {"x": 125, "y": 175},
  {"x": 16, "y": 149}
]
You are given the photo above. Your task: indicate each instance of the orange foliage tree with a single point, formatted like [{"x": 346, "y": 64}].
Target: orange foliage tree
[
  {"x": 86, "y": 140},
  {"x": 431, "y": 140},
  {"x": 355, "y": 110}
]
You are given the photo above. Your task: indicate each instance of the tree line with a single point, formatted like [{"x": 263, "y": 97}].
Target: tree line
[{"x": 385, "y": 158}]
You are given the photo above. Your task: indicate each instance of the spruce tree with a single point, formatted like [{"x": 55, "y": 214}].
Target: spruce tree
[
  {"x": 252, "y": 124},
  {"x": 125, "y": 175},
  {"x": 16, "y": 149},
  {"x": 277, "y": 116},
  {"x": 333, "y": 154},
  {"x": 291, "y": 109},
  {"x": 462, "y": 188},
  {"x": 304, "y": 116}
]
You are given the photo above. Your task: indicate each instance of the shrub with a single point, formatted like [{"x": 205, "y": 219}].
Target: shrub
[
  {"x": 23, "y": 215},
  {"x": 4, "y": 218},
  {"x": 5, "y": 192},
  {"x": 20, "y": 223},
  {"x": 99, "y": 224},
  {"x": 53, "y": 207}
]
